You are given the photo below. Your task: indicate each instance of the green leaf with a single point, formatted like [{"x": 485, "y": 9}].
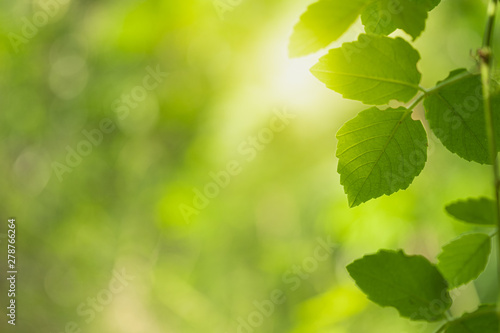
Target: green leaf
[
  {"x": 385, "y": 16},
  {"x": 455, "y": 114},
  {"x": 323, "y": 22},
  {"x": 326, "y": 20},
  {"x": 475, "y": 211},
  {"x": 374, "y": 70},
  {"x": 483, "y": 320},
  {"x": 462, "y": 260},
  {"x": 411, "y": 284},
  {"x": 380, "y": 152}
]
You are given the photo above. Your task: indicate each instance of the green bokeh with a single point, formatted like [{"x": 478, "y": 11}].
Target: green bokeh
[{"x": 119, "y": 208}]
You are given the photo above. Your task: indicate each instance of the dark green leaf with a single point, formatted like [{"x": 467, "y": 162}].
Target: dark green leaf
[
  {"x": 380, "y": 152},
  {"x": 322, "y": 23},
  {"x": 374, "y": 70},
  {"x": 475, "y": 211},
  {"x": 456, "y": 116},
  {"x": 483, "y": 320},
  {"x": 411, "y": 284},
  {"x": 463, "y": 259}
]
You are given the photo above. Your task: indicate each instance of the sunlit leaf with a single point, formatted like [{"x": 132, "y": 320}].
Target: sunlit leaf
[
  {"x": 380, "y": 152},
  {"x": 463, "y": 259},
  {"x": 374, "y": 70},
  {"x": 475, "y": 211},
  {"x": 411, "y": 284},
  {"x": 385, "y": 16},
  {"x": 322, "y": 23}
]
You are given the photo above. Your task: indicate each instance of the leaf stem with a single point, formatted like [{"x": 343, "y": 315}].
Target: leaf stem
[
  {"x": 485, "y": 55},
  {"x": 442, "y": 328},
  {"x": 454, "y": 79},
  {"x": 439, "y": 86},
  {"x": 415, "y": 102},
  {"x": 443, "y": 84}
]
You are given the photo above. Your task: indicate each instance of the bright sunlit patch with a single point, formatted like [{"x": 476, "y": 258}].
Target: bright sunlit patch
[
  {"x": 290, "y": 79},
  {"x": 294, "y": 82},
  {"x": 321, "y": 313}
]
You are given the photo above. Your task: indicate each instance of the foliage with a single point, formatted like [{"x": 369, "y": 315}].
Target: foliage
[
  {"x": 390, "y": 73},
  {"x": 484, "y": 320},
  {"x": 375, "y": 146},
  {"x": 476, "y": 211},
  {"x": 464, "y": 259},
  {"x": 382, "y": 149},
  {"x": 411, "y": 284}
]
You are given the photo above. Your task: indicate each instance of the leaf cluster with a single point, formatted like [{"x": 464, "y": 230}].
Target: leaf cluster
[{"x": 382, "y": 149}]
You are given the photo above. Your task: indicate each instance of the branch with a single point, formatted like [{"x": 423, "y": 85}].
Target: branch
[{"x": 485, "y": 55}]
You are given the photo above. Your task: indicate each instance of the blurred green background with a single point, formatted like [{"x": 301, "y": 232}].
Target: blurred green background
[{"x": 119, "y": 210}]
